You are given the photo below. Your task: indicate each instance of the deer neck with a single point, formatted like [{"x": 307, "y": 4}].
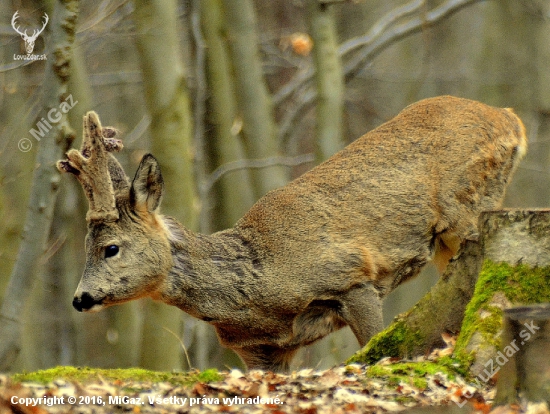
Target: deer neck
[{"x": 211, "y": 275}]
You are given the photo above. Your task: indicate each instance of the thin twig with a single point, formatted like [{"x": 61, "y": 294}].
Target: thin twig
[
  {"x": 256, "y": 163},
  {"x": 52, "y": 249},
  {"x": 100, "y": 17},
  {"x": 291, "y": 118},
  {"x": 182, "y": 345},
  {"x": 14, "y": 65},
  {"x": 299, "y": 81}
]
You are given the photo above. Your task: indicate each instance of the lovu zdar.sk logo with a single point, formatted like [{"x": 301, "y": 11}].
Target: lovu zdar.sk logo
[{"x": 29, "y": 39}]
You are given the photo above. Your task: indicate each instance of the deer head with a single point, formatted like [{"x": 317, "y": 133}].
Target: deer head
[
  {"x": 29, "y": 40},
  {"x": 126, "y": 245}
]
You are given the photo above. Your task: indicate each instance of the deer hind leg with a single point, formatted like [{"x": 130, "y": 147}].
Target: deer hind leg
[
  {"x": 267, "y": 357},
  {"x": 362, "y": 311}
]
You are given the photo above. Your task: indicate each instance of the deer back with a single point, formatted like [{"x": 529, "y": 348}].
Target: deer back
[{"x": 403, "y": 194}]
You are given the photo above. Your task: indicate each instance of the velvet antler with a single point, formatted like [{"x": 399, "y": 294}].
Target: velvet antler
[{"x": 98, "y": 171}]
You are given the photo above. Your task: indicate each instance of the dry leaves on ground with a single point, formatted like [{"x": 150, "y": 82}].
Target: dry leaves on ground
[{"x": 344, "y": 389}]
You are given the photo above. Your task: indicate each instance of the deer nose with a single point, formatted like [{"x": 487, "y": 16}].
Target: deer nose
[{"x": 84, "y": 302}]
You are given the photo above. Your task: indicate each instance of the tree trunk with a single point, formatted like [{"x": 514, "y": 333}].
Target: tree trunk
[
  {"x": 516, "y": 271},
  {"x": 236, "y": 187},
  {"x": 329, "y": 79},
  {"x": 168, "y": 103},
  {"x": 524, "y": 353},
  {"x": 90, "y": 330},
  {"x": 253, "y": 97},
  {"x": 13, "y": 192},
  {"x": 46, "y": 339},
  {"x": 44, "y": 186}
]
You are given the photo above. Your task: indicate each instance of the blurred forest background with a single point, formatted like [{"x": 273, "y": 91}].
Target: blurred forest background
[{"x": 234, "y": 97}]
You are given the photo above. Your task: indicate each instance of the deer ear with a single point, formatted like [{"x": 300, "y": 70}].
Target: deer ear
[{"x": 147, "y": 186}]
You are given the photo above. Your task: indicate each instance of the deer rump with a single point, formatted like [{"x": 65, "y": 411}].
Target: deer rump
[{"x": 315, "y": 255}]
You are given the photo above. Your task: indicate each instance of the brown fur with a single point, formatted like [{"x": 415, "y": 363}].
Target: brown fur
[{"x": 321, "y": 252}]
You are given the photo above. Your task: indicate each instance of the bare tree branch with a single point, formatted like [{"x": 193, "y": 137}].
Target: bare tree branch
[
  {"x": 103, "y": 13},
  {"x": 370, "y": 45},
  {"x": 414, "y": 25},
  {"x": 14, "y": 65},
  {"x": 349, "y": 46},
  {"x": 299, "y": 81},
  {"x": 329, "y": 80},
  {"x": 294, "y": 115},
  {"x": 253, "y": 97},
  {"x": 256, "y": 163},
  {"x": 381, "y": 26},
  {"x": 139, "y": 130}
]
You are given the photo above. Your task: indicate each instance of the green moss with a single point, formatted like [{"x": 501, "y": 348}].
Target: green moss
[
  {"x": 413, "y": 373},
  {"x": 394, "y": 341},
  {"x": 404, "y": 400},
  {"x": 209, "y": 375},
  {"x": 86, "y": 374},
  {"x": 521, "y": 284},
  {"x": 456, "y": 364}
]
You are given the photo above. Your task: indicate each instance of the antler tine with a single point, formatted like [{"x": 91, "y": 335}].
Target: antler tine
[{"x": 99, "y": 173}]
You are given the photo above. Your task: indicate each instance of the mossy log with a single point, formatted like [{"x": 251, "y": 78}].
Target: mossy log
[
  {"x": 513, "y": 254},
  {"x": 525, "y": 351}
]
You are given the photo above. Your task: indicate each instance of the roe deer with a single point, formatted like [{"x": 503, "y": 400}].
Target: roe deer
[{"x": 313, "y": 256}]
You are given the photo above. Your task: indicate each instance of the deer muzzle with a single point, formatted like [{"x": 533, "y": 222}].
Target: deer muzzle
[{"x": 85, "y": 302}]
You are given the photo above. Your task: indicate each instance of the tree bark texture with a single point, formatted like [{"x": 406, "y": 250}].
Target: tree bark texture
[
  {"x": 328, "y": 78},
  {"x": 525, "y": 351},
  {"x": 236, "y": 187},
  {"x": 44, "y": 184},
  {"x": 253, "y": 97},
  {"x": 168, "y": 103},
  {"x": 516, "y": 271}
]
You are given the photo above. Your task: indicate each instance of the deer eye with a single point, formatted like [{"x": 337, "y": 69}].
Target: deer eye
[{"x": 111, "y": 250}]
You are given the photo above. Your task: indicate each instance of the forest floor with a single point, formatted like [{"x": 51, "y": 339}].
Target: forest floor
[
  {"x": 344, "y": 389},
  {"x": 420, "y": 386}
]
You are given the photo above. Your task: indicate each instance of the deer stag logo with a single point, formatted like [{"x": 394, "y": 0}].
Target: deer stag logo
[{"x": 29, "y": 40}]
